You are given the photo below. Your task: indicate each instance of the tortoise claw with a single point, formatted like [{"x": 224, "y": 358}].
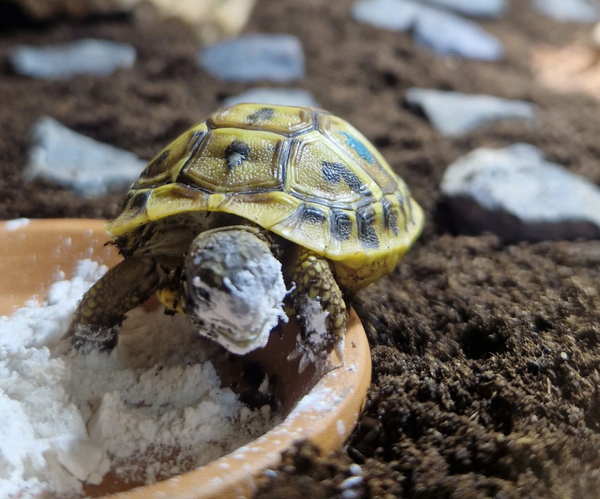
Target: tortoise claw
[{"x": 88, "y": 338}]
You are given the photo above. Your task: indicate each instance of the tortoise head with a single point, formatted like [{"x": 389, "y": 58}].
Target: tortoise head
[{"x": 233, "y": 287}]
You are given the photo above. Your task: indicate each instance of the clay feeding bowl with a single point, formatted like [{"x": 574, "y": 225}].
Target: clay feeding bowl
[{"x": 32, "y": 252}]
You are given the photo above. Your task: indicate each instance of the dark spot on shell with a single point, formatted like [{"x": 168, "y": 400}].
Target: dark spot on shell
[
  {"x": 365, "y": 218},
  {"x": 137, "y": 205},
  {"x": 185, "y": 192},
  {"x": 341, "y": 225},
  {"x": 311, "y": 214},
  {"x": 333, "y": 172},
  {"x": 155, "y": 167},
  {"x": 359, "y": 147},
  {"x": 236, "y": 153},
  {"x": 128, "y": 198},
  {"x": 195, "y": 141},
  {"x": 262, "y": 114},
  {"x": 390, "y": 217}
]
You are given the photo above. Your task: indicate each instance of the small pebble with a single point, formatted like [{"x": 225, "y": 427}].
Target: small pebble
[
  {"x": 351, "y": 482},
  {"x": 87, "y": 56},
  {"x": 453, "y": 113},
  {"x": 395, "y": 15},
  {"x": 355, "y": 469},
  {"x": 275, "y": 97},
  {"x": 449, "y": 34},
  {"x": 564, "y": 356},
  {"x": 88, "y": 167},
  {"x": 520, "y": 196},
  {"x": 255, "y": 57},
  {"x": 582, "y": 11},
  {"x": 475, "y": 8},
  {"x": 443, "y": 32}
]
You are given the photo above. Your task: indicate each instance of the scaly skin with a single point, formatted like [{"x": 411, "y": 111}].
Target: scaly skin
[
  {"x": 98, "y": 318},
  {"x": 102, "y": 309},
  {"x": 314, "y": 279}
]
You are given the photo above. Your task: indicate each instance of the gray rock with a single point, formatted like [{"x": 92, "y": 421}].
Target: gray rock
[
  {"x": 274, "y": 96},
  {"x": 86, "y": 56},
  {"x": 395, "y": 15},
  {"x": 452, "y": 113},
  {"x": 255, "y": 57},
  {"x": 86, "y": 166},
  {"x": 583, "y": 11},
  {"x": 449, "y": 34},
  {"x": 517, "y": 194},
  {"x": 475, "y": 8},
  {"x": 441, "y": 31}
]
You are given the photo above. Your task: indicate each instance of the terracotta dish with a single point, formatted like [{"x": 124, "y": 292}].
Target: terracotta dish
[{"x": 31, "y": 255}]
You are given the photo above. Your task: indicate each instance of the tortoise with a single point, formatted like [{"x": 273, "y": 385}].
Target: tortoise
[{"x": 299, "y": 183}]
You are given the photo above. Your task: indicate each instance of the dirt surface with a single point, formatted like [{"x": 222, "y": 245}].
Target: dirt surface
[{"x": 486, "y": 356}]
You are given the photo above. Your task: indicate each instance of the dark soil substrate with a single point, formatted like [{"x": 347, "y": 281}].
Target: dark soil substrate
[{"x": 486, "y": 356}]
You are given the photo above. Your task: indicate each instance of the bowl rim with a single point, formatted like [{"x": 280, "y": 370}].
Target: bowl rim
[{"x": 325, "y": 416}]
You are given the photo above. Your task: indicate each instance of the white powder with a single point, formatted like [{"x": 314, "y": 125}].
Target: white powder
[
  {"x": 244, "y": 315},
  {"x": 151, "y": 409},
  {"x": 16, "y": 223},
  {"x": 313, "y": 346}
]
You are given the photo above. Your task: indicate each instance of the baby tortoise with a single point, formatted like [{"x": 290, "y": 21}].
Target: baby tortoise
[{"x": 295, "y": 181}]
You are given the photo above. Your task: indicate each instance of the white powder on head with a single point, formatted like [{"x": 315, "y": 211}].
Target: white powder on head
[
  {"x": 151, "y": 409},
  {"x": 242, "y": 317}
]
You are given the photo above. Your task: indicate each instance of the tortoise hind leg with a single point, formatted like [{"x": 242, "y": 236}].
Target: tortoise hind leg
[
  {"x": 102, "y": 309},
  {"x": 315, "y": 285}
]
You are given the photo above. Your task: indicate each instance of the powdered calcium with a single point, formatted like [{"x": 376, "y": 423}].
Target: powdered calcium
[{"x": 151, "y": 409}]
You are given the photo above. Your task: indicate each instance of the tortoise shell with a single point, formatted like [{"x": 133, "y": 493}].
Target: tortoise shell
[{"x": 299, "y": 172}]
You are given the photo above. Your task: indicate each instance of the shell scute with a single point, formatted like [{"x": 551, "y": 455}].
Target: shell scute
[
  {"x": 316, "y": 170},
  {"x": 354, "y": 144},
  {"x": 278, "y": 119},
  {"x": 176, "y": 198},
  {"x": 166, "y": 165},
  {"x": 309, "y": 222},
  {"x": 265, "y": 209},
  {"x": 235, "y": 160}
]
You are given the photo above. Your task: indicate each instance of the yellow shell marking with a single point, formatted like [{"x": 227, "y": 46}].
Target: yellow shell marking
[
  {"x": 278, "y": 119},
  {"x": 354, "y": 144},
  {"x": 234, "y": 160},
  {"x": 318, "y": 171},
  {"x": 166, "y": 164}
]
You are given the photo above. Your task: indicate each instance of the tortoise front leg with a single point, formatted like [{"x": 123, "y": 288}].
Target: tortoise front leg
[
  {"x": 315, "y": 284},
  {"x": 103, "y": 307}
]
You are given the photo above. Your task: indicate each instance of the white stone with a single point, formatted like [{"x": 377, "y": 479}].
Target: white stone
[
  {"x": 450, "y": 34},
  {"x": 255, "y": 57},
  {"x": 583, "y": 11},
  {"x": 517, "y": 194},
  {"x": 453, "y": 113},
  {"x": 395, "y": 15},
  {"x": 476, "y": 8},
  {"x": 443, "y": 32},
  {"x": 87, "y": 56},
  {"x": 80, "y": 163}
]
